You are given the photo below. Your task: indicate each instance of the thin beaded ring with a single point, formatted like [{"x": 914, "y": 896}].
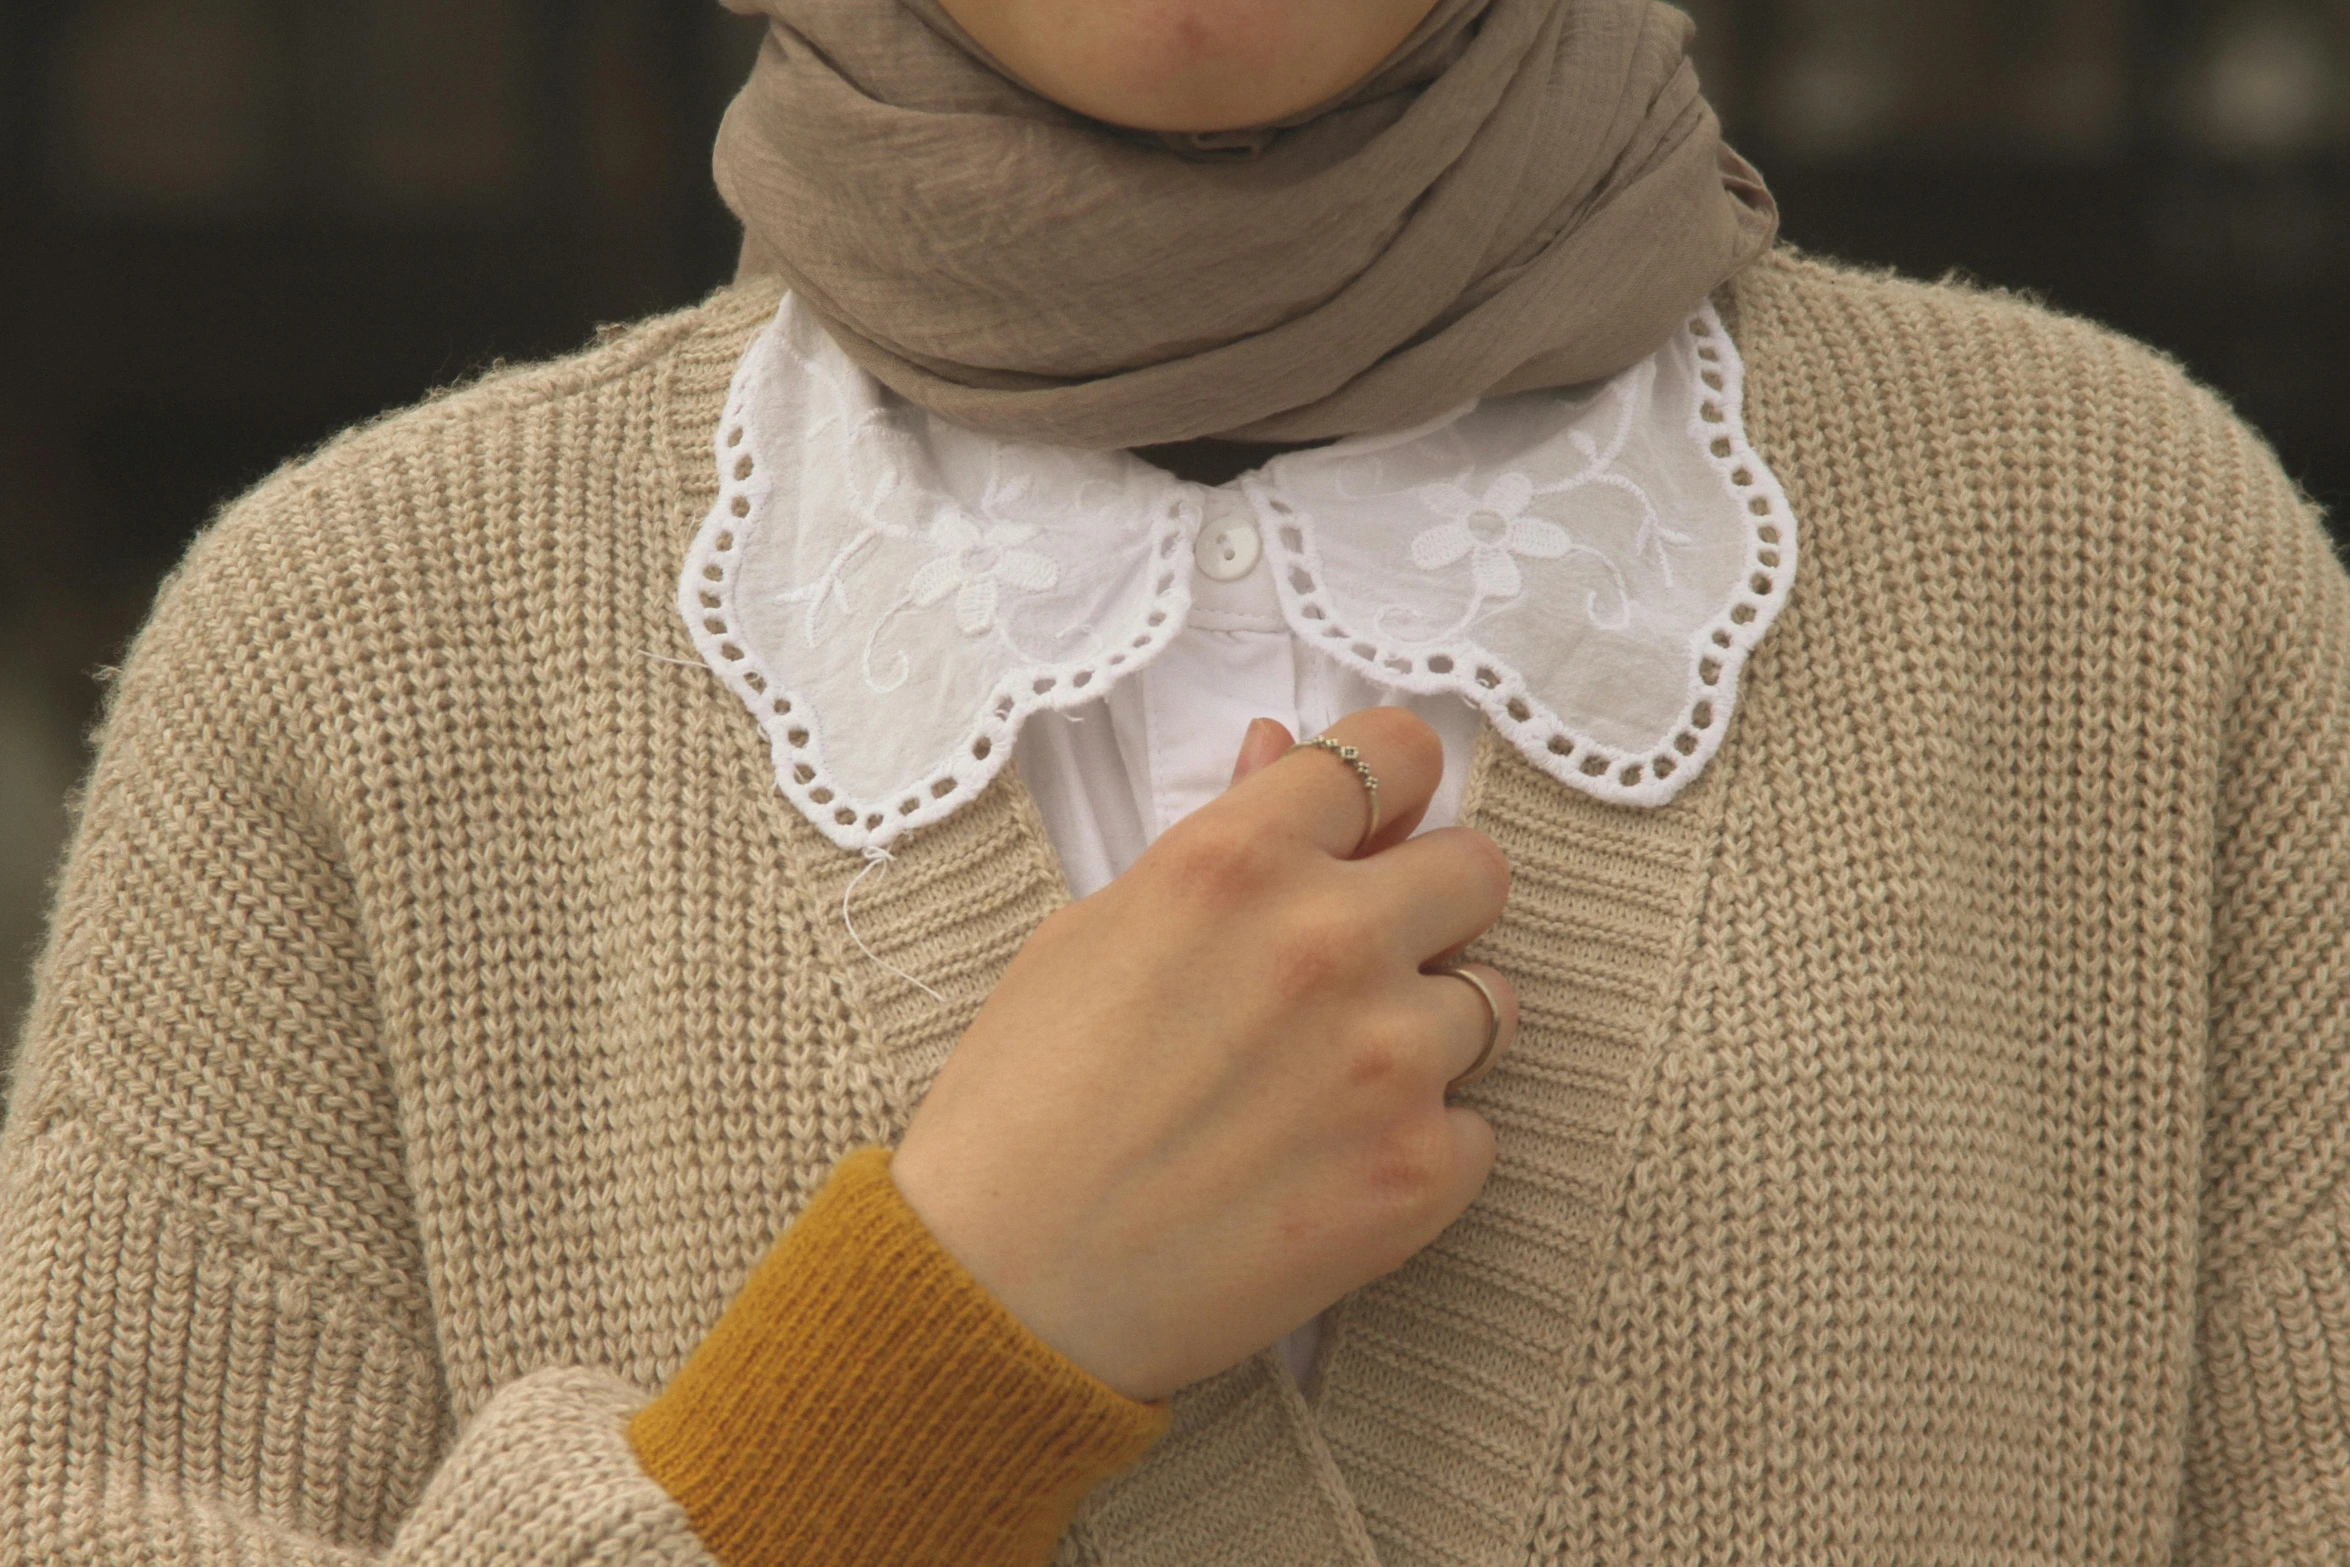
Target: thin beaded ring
[{"x": 1354, "y": 759}]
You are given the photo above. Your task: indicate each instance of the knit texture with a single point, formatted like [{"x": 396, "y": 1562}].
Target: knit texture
[
  {"x": 1925, "y": 1143},
  {"x": 866, "y": 1401}
]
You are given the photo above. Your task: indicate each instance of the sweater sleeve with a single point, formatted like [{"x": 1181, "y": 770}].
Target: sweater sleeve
[
  {"x": 866, "y": 1400},
  {"x": 2267, "y": 1468},
  {"x": 217, "y": 1339}
]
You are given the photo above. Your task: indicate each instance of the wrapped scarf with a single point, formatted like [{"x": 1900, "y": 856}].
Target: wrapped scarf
[{"x": 1528, "y": 193}]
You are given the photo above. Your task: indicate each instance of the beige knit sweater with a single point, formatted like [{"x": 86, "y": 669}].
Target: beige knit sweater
[{"x": 1926, "y": 1143}]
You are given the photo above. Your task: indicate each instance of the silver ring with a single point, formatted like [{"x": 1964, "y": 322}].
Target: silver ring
[
  {"x": 1485, "y": 1059},
  {"x": 1354, "y": 759}
]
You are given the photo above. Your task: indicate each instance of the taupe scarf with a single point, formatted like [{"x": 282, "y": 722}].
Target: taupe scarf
[{"x": 1529, "y": 193}]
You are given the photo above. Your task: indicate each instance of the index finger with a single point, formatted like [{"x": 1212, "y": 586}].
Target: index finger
[{"x": 1320, "y": 796}]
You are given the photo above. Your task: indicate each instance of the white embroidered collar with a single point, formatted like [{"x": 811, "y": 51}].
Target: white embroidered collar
[{"x": 892, "y": 596}]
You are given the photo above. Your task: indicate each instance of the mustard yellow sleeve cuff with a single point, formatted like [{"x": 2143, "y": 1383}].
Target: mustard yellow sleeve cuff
[{"x": 865, "y": 1400}]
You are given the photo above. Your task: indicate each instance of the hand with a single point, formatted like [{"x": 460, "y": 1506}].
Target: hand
[{"x": 1209, "y": 1100}]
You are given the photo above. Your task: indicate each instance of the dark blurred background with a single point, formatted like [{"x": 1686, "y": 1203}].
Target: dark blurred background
[{"x": 230, "y": 227}]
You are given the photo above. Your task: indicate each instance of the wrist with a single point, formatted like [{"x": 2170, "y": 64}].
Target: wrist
[{"x": 1007, "y": 1260}]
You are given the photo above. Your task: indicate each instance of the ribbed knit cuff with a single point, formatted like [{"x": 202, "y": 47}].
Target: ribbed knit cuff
[{"x": 866, "y": 1400}]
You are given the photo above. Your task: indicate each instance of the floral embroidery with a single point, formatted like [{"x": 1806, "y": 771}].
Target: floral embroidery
[
  {"x": 973, "y": 558},
  {"x": 1508, "y": 532},
  {"x": 1492, "y": 532}
]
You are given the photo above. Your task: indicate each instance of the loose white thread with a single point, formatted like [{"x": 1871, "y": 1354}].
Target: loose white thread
[{"x": 877, "y": 858}]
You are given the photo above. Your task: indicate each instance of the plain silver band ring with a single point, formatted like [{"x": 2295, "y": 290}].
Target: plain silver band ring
[
  {"x": 1484, "y": 1062},
  {"x": 1354, "y": 759}
]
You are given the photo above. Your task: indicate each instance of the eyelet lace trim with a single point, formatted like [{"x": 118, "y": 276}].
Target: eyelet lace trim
[
  {"x": 929, "y": 588},
  {"x": 1459, "y": 664}
]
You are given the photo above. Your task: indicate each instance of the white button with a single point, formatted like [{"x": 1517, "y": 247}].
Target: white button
[{"x": 1228, "y": 549}]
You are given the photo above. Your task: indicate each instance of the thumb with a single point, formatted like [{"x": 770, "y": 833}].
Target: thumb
[{"x": 1265, "y": 743}]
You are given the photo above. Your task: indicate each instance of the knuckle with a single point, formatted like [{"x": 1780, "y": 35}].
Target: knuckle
[
  {"x": 1217, "y": 859},
  {"x": 1489, "y": 861},
  {"x": 1382, "y": 1061},
  {"x": 1477, "y": 864},
  {"x": 1408, "y": 737},
  {"x": 1323, "y": 940},
  {"x": 1411, "y": 1164},
  {"x": 1310, "y": 956}
]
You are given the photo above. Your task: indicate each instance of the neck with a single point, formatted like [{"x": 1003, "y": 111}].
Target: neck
[{"x": 1214, "y": 461}]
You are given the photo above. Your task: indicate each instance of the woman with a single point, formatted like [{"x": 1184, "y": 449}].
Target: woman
[{"x": 534, "y": 872}]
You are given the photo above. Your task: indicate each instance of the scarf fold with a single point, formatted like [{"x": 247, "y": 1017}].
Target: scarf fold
[{"x": 1528, "y": 193}]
